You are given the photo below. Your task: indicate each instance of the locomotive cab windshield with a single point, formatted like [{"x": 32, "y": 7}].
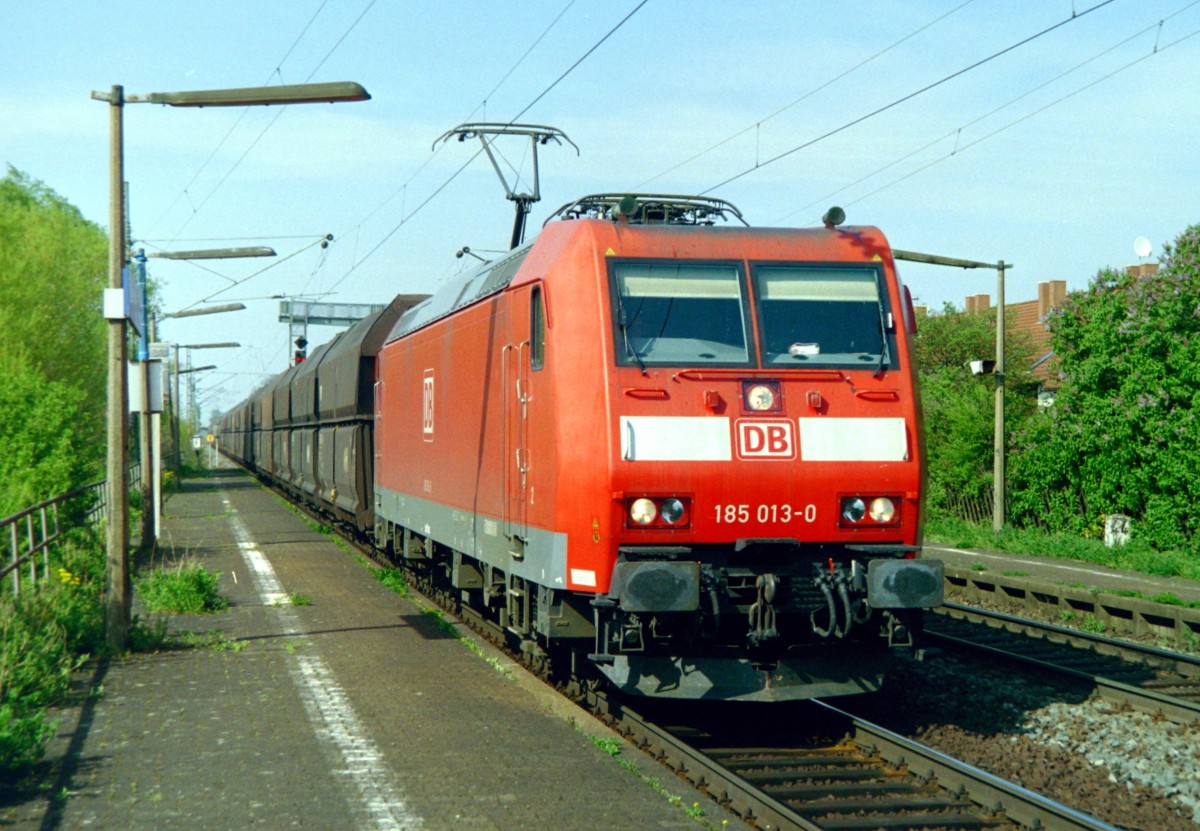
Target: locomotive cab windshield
[
  {"x": 681, "y": 313},
  {"x": 827, "y": 316},
  {"x": 809, "y": 315}
]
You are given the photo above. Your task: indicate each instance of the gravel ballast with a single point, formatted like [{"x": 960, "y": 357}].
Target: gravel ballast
[{"x": 1129, "y": 769}]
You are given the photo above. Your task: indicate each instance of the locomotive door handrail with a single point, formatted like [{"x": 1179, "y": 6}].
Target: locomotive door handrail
[{"x": 515, "y": 443}]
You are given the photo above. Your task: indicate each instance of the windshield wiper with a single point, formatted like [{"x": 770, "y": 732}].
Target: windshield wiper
[
  {"x": 883, "y": 343},
  {"x": 623, "y": 323}
]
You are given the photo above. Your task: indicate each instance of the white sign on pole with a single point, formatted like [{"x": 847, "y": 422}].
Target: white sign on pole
[{"x": 137, "y": 386}]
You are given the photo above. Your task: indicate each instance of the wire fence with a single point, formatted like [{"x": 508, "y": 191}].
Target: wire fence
[
  {"x": 30, "y": 534},
  {"x": 976, "y": 508}
]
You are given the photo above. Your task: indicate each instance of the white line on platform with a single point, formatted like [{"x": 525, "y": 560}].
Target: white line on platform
[{"x": 329, "y": 709}]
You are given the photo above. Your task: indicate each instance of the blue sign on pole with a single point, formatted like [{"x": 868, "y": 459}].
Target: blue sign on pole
[{"x": 134, "y": 301}]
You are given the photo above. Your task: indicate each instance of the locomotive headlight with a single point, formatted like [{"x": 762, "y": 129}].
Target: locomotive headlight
[
  {"x": 673, "y": 511},
  {"x": 882, "y": 509},
  {"x": 642, "y": 511},
  {"x": 760, "y": 397},
  {"x": 853, "y": 509}
]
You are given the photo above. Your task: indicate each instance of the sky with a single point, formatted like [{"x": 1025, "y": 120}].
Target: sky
[{"x": 1050, "y": 135}]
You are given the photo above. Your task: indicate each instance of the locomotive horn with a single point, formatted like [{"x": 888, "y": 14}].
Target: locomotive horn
[{"x": 833, "y": 217}]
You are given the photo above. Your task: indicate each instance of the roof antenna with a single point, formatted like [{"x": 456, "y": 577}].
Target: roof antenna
[{"x": 537, "y": 135}]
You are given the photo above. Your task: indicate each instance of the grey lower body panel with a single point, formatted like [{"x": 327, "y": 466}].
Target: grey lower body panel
[
  {"x": 736, "y": 679},
  {"x": 543, "y": 556}
]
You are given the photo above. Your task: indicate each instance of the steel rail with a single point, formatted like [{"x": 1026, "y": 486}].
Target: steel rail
[
  {"x": 1139, "y": 696},
  {"x": 1003, "y": 804},
  {"x": 1030, "y": 809},
  {"x": 729, "y": 791},
  {"x": 1180, "y": 662}
]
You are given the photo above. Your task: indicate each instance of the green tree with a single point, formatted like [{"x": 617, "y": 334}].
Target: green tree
[
  {"x": 53, "y": 266},
  {"x": 1123, "y": 435},
  {"x": 959, "y": 409},
  {"x": 45, "y": 451}
]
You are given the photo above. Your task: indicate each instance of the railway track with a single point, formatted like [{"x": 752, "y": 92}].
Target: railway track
[
  {"x": 859, "y": 776},
  {"x": 1144, "y": 677}
]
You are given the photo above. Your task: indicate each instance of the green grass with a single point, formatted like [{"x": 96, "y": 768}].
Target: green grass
[
  {"x": 180, "y": 589},
  {"x": 1172, "y": 599},
  {"x": 1093, "y": 624},
  {"x": 613, "y": 747},
  {"x": 393, "y": 579},
  {"x": 1135, "y": 556},
  {"x": 214, "y": 640},
  {"x": 148, "y": 636}
]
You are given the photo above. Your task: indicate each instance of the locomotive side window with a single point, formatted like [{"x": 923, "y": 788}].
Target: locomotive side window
[
  {"x": 822, "y": 316},
  {"x": 537, "y": 330},
  {"x": 679, "y": 313}
]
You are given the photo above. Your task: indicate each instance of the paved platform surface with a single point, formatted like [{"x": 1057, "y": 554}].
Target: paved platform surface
[
  {"x": 353, "y": 710},
  {"x": 1067, "y": 572}
]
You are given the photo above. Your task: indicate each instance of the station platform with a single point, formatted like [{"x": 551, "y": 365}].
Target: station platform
[
  {"x": 321, "y": 699},
  {"x": 1163, "y": 611},
  {"x": 1088, "y": 576}
]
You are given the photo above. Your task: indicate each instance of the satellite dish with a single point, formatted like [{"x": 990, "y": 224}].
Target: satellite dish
[{"x": 1142, "y": 247}]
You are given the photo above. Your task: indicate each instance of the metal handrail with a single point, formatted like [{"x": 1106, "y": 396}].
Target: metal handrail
[{"x": 42, "y": 528}]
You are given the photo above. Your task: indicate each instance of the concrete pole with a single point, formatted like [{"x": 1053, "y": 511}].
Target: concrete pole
[
  {"x": 119, "y": 586},
  {"x": 998, "y": 461},
  {"x": 177, "y": 404}
]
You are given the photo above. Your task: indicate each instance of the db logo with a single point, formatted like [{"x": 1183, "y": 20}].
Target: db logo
[
  {"x": 427, "y": 405},
  {"x": 766, "y": 439}
]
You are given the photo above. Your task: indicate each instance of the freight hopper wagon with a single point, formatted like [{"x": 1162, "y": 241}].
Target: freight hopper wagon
[
  {"x": 310, "y": 430},
  {"x": 686, "y": 454}
]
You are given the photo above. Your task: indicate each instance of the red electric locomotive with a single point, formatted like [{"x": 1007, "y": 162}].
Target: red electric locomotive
[{"x": 686, "y": 452}]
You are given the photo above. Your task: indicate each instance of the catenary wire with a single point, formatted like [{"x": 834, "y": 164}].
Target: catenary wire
[
  {"x": 437, "y": 191},
  {"x": 959, "y": 130},
  {"x": 804, "y": 97},
  {"x": 898, "y": 101},
  {"x": 262, "y": 270},
  {"x": 279, "y": 113},
  {"x": 1159, "y": 49},
  {"x": 481, "y": 105},
  {"x": 234, "y": 126}
]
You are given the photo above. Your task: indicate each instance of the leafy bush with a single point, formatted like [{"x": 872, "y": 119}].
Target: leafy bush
[
  {"x": 44, "y": 636},
  {"x": 23, "y": 736},
  {"x": 40, "y": 432}
]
